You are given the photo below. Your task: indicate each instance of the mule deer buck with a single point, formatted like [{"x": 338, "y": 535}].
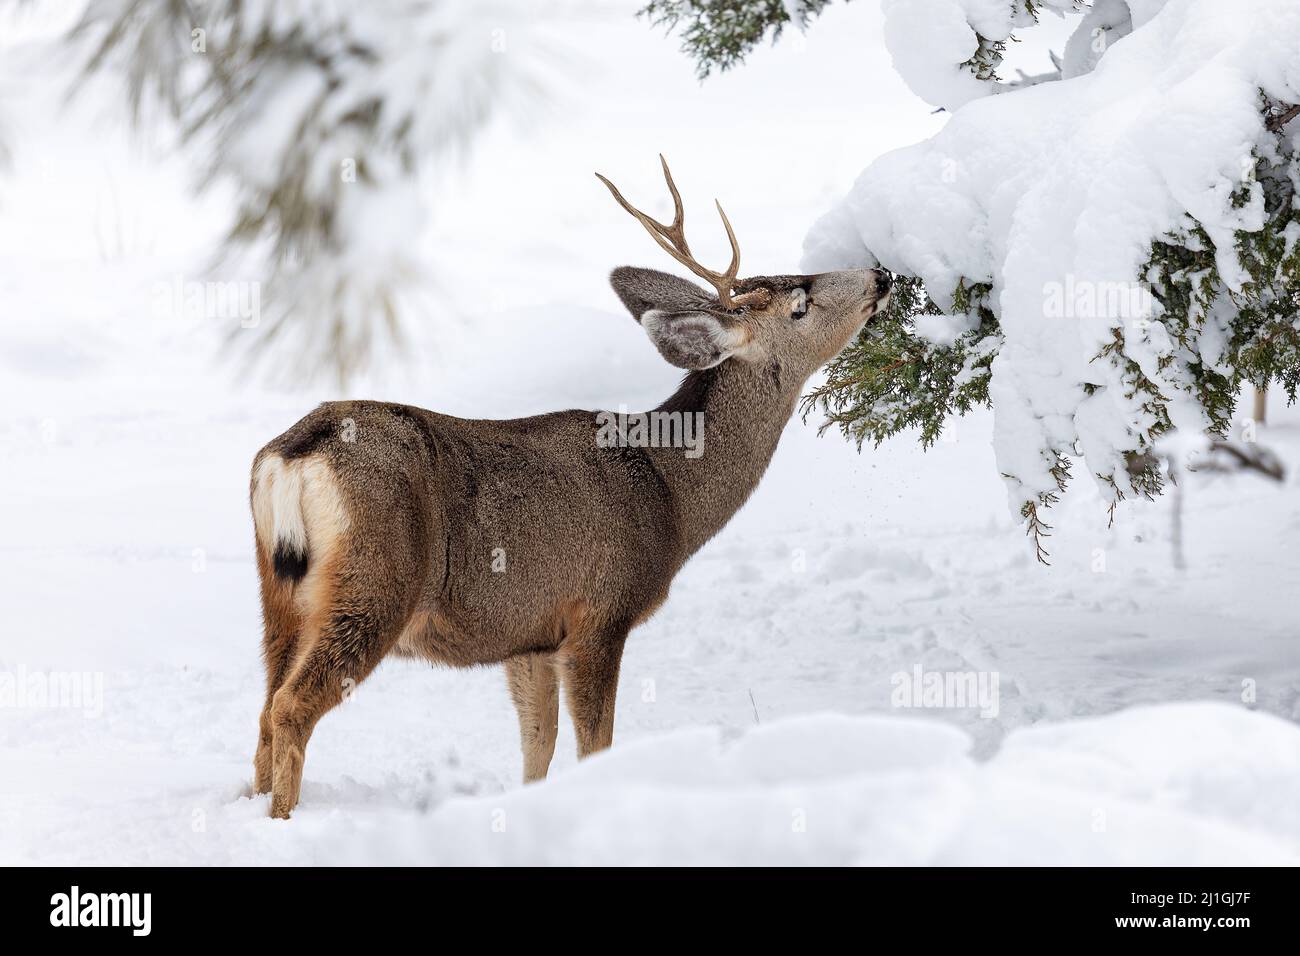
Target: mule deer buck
[{"x": 381, "y": 528}]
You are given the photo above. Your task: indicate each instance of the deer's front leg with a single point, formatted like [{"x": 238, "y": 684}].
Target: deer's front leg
[
  {"x": 534, "y": 687},
  {"x": 590, "y": 667}
]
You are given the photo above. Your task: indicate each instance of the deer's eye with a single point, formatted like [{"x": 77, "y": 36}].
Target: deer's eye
[{"x": 799, "y": 304}]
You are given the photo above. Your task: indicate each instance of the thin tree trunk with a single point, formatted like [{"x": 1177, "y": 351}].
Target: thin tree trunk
[
  {"x": 1261, "y": 405},
  {"x": 1176, "y": 526}
]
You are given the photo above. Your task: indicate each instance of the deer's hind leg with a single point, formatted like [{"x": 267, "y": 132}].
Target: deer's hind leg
[
  {"x": 535, "y": 689},
  {"x": 281, "y": 627},
  {"x": 355, "y": 628}
]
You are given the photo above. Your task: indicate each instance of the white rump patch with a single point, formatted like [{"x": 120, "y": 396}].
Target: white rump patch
[{"x": 277, "y": 505}]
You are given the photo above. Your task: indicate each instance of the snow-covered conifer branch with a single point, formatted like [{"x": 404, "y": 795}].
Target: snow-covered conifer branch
[
  {"x": 1133, "y": 235},
  {"x": 322, "y": 116}
]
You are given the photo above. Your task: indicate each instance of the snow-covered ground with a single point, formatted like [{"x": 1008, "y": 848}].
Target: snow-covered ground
[{"x": 1142, "y": 714}]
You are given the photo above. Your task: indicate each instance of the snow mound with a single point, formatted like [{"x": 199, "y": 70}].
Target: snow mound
[
  {"x": 1063, "y": 186},
  {"x": 1186, "y": 784},
  {"x": 939, "y": 46}
]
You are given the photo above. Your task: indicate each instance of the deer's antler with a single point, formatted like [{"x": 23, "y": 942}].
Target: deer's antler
[{"x": 672, "y": 239}]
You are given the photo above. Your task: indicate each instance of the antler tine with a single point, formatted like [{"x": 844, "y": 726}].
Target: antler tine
[
  {"x": 672, "y": 239},
  {"x": 661, "y": 234},
  {"x": 734, "y": 269},
  {"x": 679, "y": 216}
]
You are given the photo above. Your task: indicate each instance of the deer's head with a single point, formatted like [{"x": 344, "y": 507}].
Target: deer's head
[{"x": 800, "y": 321}]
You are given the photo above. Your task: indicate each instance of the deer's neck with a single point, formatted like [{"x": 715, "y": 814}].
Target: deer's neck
[{"x": 738, "y": 413}]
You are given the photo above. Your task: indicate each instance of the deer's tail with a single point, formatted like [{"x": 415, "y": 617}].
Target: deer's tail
[{"x": 278, "y": 516}]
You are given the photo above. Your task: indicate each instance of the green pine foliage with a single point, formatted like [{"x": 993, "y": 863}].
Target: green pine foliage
[
  {"x": 1262, "y": 319},
  {"x": 889, "y": 379},
  {"x": 719, "y": 34}
]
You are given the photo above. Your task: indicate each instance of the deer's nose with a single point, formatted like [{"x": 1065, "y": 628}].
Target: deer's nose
[{"x": 883, "y": 281}]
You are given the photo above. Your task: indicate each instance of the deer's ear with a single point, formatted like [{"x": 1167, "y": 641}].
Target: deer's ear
[
  {"x": 681, "y": 319},
  {"x": 644, "y": 289},
  {"x": 692, "y": 340}
]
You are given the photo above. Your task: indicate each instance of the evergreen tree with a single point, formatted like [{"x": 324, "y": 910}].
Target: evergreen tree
[
  {"x": 1216, "y": 332},
  {"x": 321, "y": 116}
]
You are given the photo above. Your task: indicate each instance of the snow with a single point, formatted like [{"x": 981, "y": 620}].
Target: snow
[
  {"x": 1144, "y": 715},
  {"x": 1067, "y": 184},
  {"x": 1104, "y": 23},
  {"x": 932, "y": 41},
  {"x": 882, "y": 791},
  {"x": 1189, "y": 784},
  {"x": 929, "y": 41}
]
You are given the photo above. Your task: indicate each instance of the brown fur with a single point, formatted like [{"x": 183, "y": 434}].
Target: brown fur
[
  {"x": 534, "y": 688},
  {"x": 408, "y": 513}
]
